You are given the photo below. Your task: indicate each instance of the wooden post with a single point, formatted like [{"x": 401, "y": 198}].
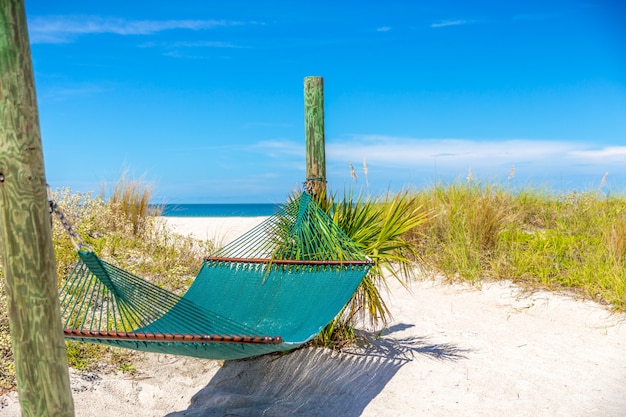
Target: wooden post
[
  {"x": 314, "y": 134},
  {"x": 43, "y": 383}
]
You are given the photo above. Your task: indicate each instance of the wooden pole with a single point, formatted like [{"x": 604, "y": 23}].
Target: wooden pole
[
  {"x": 43, "y": 383},
  {"x": 314, "y": 134}
]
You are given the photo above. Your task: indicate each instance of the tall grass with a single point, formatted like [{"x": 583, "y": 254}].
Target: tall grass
[
  {"x": 573, "y": 242},
  {"x": 130, "y": 203},
  {"x": 463, "y": 233}
]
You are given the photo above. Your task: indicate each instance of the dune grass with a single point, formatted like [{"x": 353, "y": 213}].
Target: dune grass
[{"x": 574, "y": 242}]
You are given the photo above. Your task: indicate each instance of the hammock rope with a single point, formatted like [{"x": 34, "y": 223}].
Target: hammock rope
[{"x": 272, "y": 289}]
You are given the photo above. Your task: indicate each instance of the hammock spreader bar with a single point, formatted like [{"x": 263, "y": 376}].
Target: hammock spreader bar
[
  {"x": 286, "y": 261},
  {"x": 167, "y": 337}
]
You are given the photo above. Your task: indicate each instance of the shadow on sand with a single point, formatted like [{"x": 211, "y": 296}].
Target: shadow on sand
[{"x": 311, "y": 381}]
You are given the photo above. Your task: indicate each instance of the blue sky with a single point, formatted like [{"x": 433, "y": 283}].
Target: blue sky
[{"x": 204, "y": 99}]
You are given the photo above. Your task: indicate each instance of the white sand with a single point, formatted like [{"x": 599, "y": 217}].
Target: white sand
[
  {"x": 451, "y": 350},
  {"x": 221, "y": 230}
]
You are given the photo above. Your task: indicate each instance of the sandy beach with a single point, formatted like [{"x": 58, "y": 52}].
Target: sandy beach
[{"x": 450, "y": 350}]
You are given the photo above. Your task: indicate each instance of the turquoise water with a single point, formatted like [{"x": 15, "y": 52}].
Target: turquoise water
[{"x": 218, "y": 210}]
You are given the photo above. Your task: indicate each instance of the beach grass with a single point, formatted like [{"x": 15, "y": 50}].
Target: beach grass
[
  {"x": 573, "y": 242},
  {"x": 466, "y": 231}
]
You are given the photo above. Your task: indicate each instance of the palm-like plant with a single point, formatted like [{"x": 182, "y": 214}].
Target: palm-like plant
[{"x": 379, "y": 227}]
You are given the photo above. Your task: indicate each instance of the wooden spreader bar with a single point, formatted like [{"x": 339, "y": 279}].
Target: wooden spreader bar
[
  {"x": 171, "y": 337},
  {"x": 286, "y": 261}
]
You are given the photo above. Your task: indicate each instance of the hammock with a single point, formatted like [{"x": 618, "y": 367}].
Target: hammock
[{"x": 273, "y": 289}]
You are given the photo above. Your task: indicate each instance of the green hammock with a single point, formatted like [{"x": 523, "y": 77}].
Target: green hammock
[{"x": 270, "y": 290}]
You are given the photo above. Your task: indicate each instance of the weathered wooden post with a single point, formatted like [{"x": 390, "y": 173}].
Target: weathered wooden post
[
  {"x": 314, "y": 134},
  {"x": 25, "y": 237}
]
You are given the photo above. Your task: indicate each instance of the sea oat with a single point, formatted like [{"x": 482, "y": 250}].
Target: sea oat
[
  {"x": 603, "y": 181},
  {"x": 367, "y": 185}
]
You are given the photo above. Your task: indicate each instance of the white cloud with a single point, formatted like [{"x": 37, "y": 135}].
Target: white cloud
[
  {"x": 202, "y": 44},
  {"x": 65, "y": 91},
  {"x": 608, "y": 154},
  {"x": 179, "y": 49},
  {"x": 401, "y": 150},
  {"x": 64, "y": 29},
  {"x": 184, "y": 44},
  {"x": 456, "y": 155},
  {"x": 444, "y": 23},
  {"x": 383, "y": 29},
  {"x": 279, "y": 148}
]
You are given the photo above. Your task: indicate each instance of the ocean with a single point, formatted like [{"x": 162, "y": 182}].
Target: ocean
[{"x": 218, "y": 210}]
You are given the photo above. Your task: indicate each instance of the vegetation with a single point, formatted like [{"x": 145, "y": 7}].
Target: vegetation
[
  {"x": 574, "y": 242},
  {"x": 379, "y": 227},
  {"x": 465, "y": 231},
  {"x": 121, "y": 228}
]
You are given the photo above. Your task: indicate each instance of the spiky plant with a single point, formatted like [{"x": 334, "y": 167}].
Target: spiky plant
[{"x": 378, "y": 226}]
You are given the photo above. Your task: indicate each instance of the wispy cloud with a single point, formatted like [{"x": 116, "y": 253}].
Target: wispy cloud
[
  {"x": 180, "y": 49},
  {"x": 61, "y": 93},
  {"x": 279, "y": 148},
  {"x": 458, "y": 154},
  {"x": 609, "y": 154},
  {"x": 445, "y": 23},
  {"x": 255, "y": 125},
  {"x": 202, "y": 44},
  {"x": 383, "y": 29},
  {"x": 65, "y": 29},
  {"x": 188, "y": 50},
  {"x": 271, "y": 148},
  {"x": 394, "y": 150}
]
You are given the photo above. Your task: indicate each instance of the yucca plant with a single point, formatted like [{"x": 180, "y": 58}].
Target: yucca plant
[{"x": 378, "y": 226}]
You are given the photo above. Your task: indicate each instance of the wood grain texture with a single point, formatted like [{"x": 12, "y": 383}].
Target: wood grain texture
[
  {"x": 314, "y": 134},
  {"x": 25, "y": 235}
]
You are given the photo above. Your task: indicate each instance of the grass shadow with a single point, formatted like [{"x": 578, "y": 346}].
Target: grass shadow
[{"x": 407, "y": 348}]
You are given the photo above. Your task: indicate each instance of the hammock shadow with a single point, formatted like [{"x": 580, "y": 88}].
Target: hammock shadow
[{"x": 310, "y": 381}]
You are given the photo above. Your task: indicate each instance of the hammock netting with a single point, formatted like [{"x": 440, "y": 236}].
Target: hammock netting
[{"x": 270, "y": 290}]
